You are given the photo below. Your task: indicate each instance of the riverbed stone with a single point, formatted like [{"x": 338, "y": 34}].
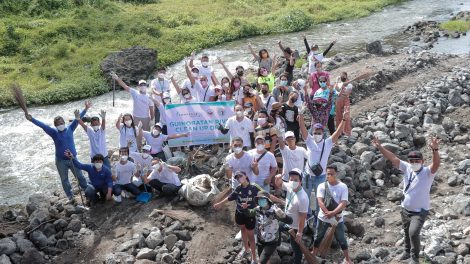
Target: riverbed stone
[
  {"x": 374, "y": 47},
  {"x": 170, "y": 241},
  {"x": 32, "y": 256},
  {"x": 154, "y": 239},
  {"x": 146, "y": 253},
  {"x": 39, "y": 239},
  {"x": 7, "y": 246}
]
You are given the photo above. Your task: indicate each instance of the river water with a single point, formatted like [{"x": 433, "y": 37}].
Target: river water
[{"x": 27, "y": 153}]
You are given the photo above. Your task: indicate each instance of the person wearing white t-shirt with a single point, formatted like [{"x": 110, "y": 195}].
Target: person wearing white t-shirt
[
  {"x": 143, "y": 163},
  {"x": 143, "y": 110},
  {"x": 156, "y": 139},
  {"x": 204, "y": 68},
  {"x": 293, "y": 156},
  {"x": 198, "y": 85},
  {"x": 160, "y": 85},
  {"x": 266, "y": 97},
  {"x": 184, "y": 94},
  {"x": 417, "y": 182},
  {"x": 296, "y": 207},
  {"x": 319, "y": 150},
  {"x": 267, "y": 164},
  {"x": 164, "y": 178},
  {"x": 128, "y": 132},
  {"x": 123, "y": 171},
  {"x": 239, "y": 160},
  {"x": 239, "y": 126},
  {"x": 97, "y": 137},
  {"x": 331, "y": 214},
  {"x": 205, "y": 92},
  {"x": 314, "y": 55}
]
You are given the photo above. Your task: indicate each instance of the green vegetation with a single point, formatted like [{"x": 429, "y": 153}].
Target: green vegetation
[
  {"x": 53, "y": 48},
  {"x": 456, "y": 25}
]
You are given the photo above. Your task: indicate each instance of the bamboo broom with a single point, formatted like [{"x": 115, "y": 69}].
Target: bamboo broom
[
  {"x": 19, "y": 98},
  {"x": 326, "y": 242}
]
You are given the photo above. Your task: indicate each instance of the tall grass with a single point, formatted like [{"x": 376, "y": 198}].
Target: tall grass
[
  {"x": 53, "y": 48},
  {"x": 456, "y": 25}
]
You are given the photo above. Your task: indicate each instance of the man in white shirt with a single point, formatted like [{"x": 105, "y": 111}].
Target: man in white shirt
[
  {"x": 267, "y": 164},
  {"x": 143, "y": 163},
  {"x": 164, "y": 178},
  {"x": 417, "y": 181},
  {"x": 159, "y": 86},
  {"x": 293, "y": 156},
  {"x": 239, "y": 126},
  {"x": 143, "y": 109},
  {"x": 123, "y": 172},
  {"x": 204, "y": 69},
  {"x": 331, "y": 212},
  {"x": 319, "y": 150},
  {"x": 296, "y": 207},
  {"x": 97, "y": 136},
  {"x": 266, "y": 97},
  {"x": 239, "y": 160}
]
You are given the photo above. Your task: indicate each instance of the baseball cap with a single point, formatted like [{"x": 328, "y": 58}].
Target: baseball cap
[
  {"x": 296, "y": 171},
  {"x": 301, "y": 83},
  {"x": 142, "y": 82},
  {"x": 289, "y": 134},
  {"x": 159, "y": 125},
  {"x": 262, "y": 194},
  {"x": 317, "y": 126},
  {"x": 259, "y": 137},
  {"x": 415, "y": 155},
  {"x": 147, "y": 148}
]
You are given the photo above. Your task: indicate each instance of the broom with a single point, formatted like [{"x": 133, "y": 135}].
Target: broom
[
  {"x": 222, "y": 195},
  {"x": 309, "y": 257},
  {"x": 19, "y": 98},
  {"x": 180, "y": 215},
  {"x": 326, "y": 242}
]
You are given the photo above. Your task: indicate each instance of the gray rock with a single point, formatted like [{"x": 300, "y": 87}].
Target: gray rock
[
  {"x": 419, "y": 141},
  {"x": 367, "y": 156},
  {"x": 49, "y": 229},
  {"x": 434, "y": 247},
  {"x": 9, "y": 215},
  {"x": 380, "y": 252},
  {"x": 7, "y": 246},
  {"x": 146, "y": 253},
  {"x": 39, "y": 216},
  {"x": 379, "y": 222},
  {"x": 74, "y": 225},
  {"x": 413, "y": 121},
  {"x": 374, "y": 47},
  {"x": 462, "y": 249},
  {"x": 39, "y": 239},
  {"x": 131, "y": 64},
  {"x": 461, "y": 204},
  {"x": 455, "y": 98},
  {"x": 70, "y": 210},
  {"x": 391, "y": 147},
  {"x": 119, "y": 258},
  {"x": 394, "y": 194},
  {"x": 354, "y": 227},
  {"x": 32, "y": 256},
  {"x": 358, "y": 148},
  {"x": 464, "y": 165},
  {"x": 362, "y": 255},
  {"x": 452, "y": 181},
  {"x": 170, "y": 241},
  {"x": 4, "y": 259},
  {"x": 448, "y": 124},
  {"x": 176, "y": 253},
  {"x": 36, "y": 201},
  {"x": 403, "y": 116},
  {"x": 132, "y": 243},
  {"x": 167, "y": 258},
  {"x": 402, "y": 131},
  {"x": 60, "y": 224},
  {"x": 154, "y": 239},
  {"x": 461, "y": 139},
  {"x": 23, "y": 244},
  {"x": 379, "y": 164},
  {"x": 16, "y": 258},
  {"x": 184, "y": 235},
  {"x": 62, "y": 244}
]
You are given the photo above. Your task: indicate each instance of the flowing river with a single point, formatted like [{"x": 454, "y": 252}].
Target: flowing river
[{"x": 27, "y": 160}]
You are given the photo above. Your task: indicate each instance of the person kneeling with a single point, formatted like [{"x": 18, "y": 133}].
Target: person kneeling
[
  {"x": 332, "y": 197},
  {"x": 164, "y": 178},
  {"x": 124, "y": 170}
]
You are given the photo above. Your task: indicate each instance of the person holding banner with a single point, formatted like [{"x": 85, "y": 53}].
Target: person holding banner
[
  {"x": 156, "y": 139},
  {"x": 239, "y": 126},
  {"x": 267, "y": 165},
  {"x": 185, "y": 94}
]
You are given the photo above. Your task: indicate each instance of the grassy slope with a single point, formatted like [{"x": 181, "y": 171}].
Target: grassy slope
[{"x": 59, "y": 51}]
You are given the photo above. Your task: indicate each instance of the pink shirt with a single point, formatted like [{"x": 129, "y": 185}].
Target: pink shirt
[{"x": 315, "y": 76}]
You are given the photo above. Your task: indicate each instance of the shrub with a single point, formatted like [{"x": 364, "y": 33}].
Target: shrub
[
  {"x": 294, "y": 20},
  {"x": 456, "y": 25},
  {"x": 11, "y": 42}
]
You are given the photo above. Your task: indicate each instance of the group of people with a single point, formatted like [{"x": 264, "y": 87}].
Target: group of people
[{"x": 266, "y": 167}]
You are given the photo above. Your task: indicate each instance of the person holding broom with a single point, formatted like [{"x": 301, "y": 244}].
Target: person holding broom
[
  {"x": 332, "y": 198},
  {"x": 62, "y": 136}
]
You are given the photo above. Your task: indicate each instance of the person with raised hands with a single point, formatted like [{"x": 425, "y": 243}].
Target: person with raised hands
[
  {"x": 62, "y": 136},
  {"x": 417, "y": 182},
  {"x": 263, "y": 59},
  {"x": 157, "y": 138},
  {"x": 128, "y": 132},
  {"x": 160, "y": 85}
]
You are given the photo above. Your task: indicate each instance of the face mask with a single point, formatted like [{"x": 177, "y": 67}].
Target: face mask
[
  {"x": 143, "y": 89},
  {"x": 294, "y": 185},
  {"x": 416, "y": 166},
  {"x": 264, "y": 91},
  {"x": 96, "y": 128},
  {"x": 293, "y": 100},
  {"x": 225, "y": 85},
  {"x": 166, "y": 101},
  {"x": 128, "y": 123},
  {"x": 259, "y": 147},
  {"x": 261, "y": 121},
  {"x": 317, "y": 138},
  {"x": 262, "y": 203},
  {"x": 322, "y": 84},
  {"x": 283, "y": 83},
  {"x": 343, "y": 79},
  {"x": 247, "y": 112},
  {"x": 236, "y": 84},
  {"x": 156, "y": 167},
  {"x": 187, "y": 96},
  {"x": 124, "y": 158},
  {"x": 237, "y": 150},
  {"x": 156, "y": 132},
  {"x": 195, "y": 74},
  {"x": 161, "y": 75},
  {"x": 98, "y": 165},
  {"x": 264, "y": 73},
  {"x": 240, "y": 73},
  {"x": 205, "y": 63},
  {"x": 145, "y": 155},
  {"x": 60, "y": 127},
  {"x": 239, "y": 113}
]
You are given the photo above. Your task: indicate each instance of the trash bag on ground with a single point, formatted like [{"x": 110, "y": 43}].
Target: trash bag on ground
[{"x": 199, "y": 190}]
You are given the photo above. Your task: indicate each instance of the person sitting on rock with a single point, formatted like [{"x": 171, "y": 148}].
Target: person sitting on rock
[
  {"x": 63, "y": 139},
  {"x": 127, "y": 132},
  {"x": 239, "y": 126},
  {"x": 330, "y": 213},
  {"x": 143, "y": 110},
  {"x": 143, "y": 163},
  {"x": 268, "y": 218},
  {"x": 159, "y": 86},
  {"x": 157, "y": 138},
  {"x": 96, "y": 135},
  {"x": 244, "y": 194},
  {"x": 101, "y": 182},
  {"x": 319, "y": 150},
  {"x": 164, "y": 178},
  {"x": 417, "y": 182},
  {"x": 123, "y": 171}
]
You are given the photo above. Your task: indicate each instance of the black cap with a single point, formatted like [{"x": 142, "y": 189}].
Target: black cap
[{"x": 415, "y": 155}]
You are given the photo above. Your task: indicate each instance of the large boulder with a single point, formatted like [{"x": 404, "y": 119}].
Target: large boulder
[
  {"x": 32, "y": 255},
  {"x": 36, "y": 201},
  {"x": 131, "y": 64},
  {"x": 374, "y": 47},
  {"x": 7, "y": 246}
]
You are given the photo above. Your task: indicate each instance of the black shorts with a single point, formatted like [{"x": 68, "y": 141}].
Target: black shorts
[{"x": 242, "y": 219}]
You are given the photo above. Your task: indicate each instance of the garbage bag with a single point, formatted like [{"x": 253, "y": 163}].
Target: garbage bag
[{"x": 199, "y": 190}]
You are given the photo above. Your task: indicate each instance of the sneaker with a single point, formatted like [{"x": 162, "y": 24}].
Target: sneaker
[
  {"x": 238, "y": 237},
  {"x": 118, "y": 199},
  {"x": 405, "y": 256}
]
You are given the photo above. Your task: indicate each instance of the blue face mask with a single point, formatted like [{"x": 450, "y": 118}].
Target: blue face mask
[
  {"x": 262, "y": 202},
  {"x": 283, "y": 83},
  {"x": 322, "y": 84}
]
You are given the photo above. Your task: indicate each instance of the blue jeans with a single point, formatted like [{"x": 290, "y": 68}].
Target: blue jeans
[
  {"x": 63, "y": 167},
  {"x": 91, "y": 193},
  {"x": 322, "y": 227},
  {"x": 130, "y": 187},
  {"x": 310, "y": 183}
]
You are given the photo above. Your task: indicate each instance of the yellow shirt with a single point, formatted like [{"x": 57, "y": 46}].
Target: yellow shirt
[{"x": 269, "y": 79}]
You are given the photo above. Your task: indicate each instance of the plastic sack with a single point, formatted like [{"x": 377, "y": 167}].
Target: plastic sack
[{"x": 199, "y": 190}]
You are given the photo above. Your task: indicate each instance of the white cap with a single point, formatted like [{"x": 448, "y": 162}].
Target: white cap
[
  {"x": 142, "y": 82},
  {"x": 147, "y": 148},
  {"x": 301, "y": 83},
  {"x": 289, "y": 134},
  {"x": 159, "y": 125}
]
